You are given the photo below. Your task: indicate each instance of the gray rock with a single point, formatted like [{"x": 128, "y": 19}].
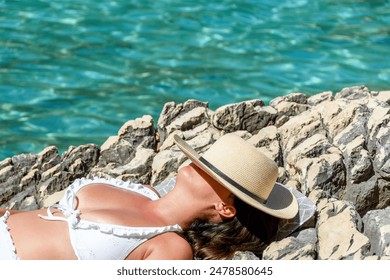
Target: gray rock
[
  {"x": 382, "y": 157},
  {"x": 116, "y": 151},
  {"x": 300, "y": 128},
  {"x": 377, "y": 126},
  {"x": 347, "y": 122},
  {"x": 182, "y": 117},
  {"x": 268, "y": 142},
  {"x": 339, "y": 231},
  {"x": 326, "y": 172},
  {"x": 377, "y": 229},
  {"x": 357, "y": 159},
  {"x": 356, "y": 92},
  {"x": 312, "y": 147},
  {"x": 249, "y": 115},
  {"x": 319, "y": 98},
  {"x": 11, "y": 175},
  {"x": 364, "y": 196},
  {"x": 165, "y": 165},
  {"x": 383, "y": 96},
  {"x": 288, "y": 106},
  {"x": 47, "y": 159},
  {"x": 299, "y": 247},
  {"x": 75, "y": 163},
  {"x": 80, "y": 160},
  {"x": 296, "y": 97},
  {"x": 139, "y": 132},
  {"x": 139, "y": 169},
  {"x": 286, "y": 110},
  {"x": 245, "y": 256},
  {"x": 384, "y": 193},
  {"x": 355, "y": 129}
]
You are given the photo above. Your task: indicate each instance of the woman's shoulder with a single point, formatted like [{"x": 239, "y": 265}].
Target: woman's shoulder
[{"x": 166, "y": 246}]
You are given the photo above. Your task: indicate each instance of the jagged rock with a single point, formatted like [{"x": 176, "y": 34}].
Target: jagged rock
[
  {"x": 319, "y": 98},
  {"x": 365, "y": 195},
  {"x": 165, "y": 165},
  {"x": 302, "y": 246},
  {"x": 377, "y": 123},
  {"x": 11, "y": 175},
  {"x": 75, "y": 163},
  {"x": 326, "y": 172},
  {"x": 115, "y": 151},
  {"x": 47, "y": 159},
  {"x": 382, "y": 157},
  {"x": 121, "y": 149},
  {"x": 356, "y": 92},
  {"x": 288, "y": 106},
  {"x": 298, "y": 129},
  {"x": 311, "y": 147},
  {"x": 377, "y": 229},
  {"x": 23, "y": 200},
  {"x": 5, "y": 163},
  {"x": 244, "y": 256},
  {"x": 7, "y": 184},
  {"x": 202, "y": 141},
  {"x": 357, "y": 160},
  {"x": 383, "y": 96},
  {"x": 296, "y": 97},
  {"x": 268, "y": 141},
  {"x": 347, "y": 120},
  {"x": 182, "y": 117},
  {"x": 23, "y": 162},
  {"x": 355, "y": 128},
  {"x": 52, "y": 198},
  {"x": 138, "y": 170},
  {"x": 139, "y": 132},
  {"x": 79, "y": 160},
  {"x": 29, "y": 203},
  {"x": 249, "y": 115},
  {"x": 384, "y": 193},
  {"x": 339, "y": 231}
]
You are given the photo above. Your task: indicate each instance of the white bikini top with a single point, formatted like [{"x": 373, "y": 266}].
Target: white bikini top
[{"x": 99, "y": 241}]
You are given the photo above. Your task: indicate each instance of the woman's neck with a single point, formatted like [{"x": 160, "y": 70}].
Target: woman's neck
[{"x": 180, "y": 206}]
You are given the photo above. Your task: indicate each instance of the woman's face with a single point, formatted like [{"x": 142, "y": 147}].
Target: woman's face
[{"x": 199, "y": 179}]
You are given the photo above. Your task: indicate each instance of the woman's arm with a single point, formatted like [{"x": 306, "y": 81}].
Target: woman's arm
[
  {"x": 178, "y": 250},
  {"x": 3, "y": 210},
  {"x": 166, "y": 246}
]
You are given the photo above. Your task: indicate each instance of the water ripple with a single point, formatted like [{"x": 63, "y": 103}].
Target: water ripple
[{"x": 72, "y": 72}]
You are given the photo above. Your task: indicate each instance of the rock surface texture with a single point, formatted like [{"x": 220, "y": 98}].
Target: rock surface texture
[{"x": 333, "y": 147}]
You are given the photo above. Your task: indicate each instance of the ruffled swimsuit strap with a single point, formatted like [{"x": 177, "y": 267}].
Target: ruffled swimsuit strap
[
  {"x": 128, "y": 231},
  {"x": 66, "y": 207}
]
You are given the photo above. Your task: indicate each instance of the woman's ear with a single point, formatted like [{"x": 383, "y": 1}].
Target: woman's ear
[{"x": 227, "y": 211}]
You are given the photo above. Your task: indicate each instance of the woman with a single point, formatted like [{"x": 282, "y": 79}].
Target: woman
[{"x": 110, "y": 219}]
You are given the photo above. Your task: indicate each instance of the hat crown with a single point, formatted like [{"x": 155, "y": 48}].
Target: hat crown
[{"x": 244, "y": 164}]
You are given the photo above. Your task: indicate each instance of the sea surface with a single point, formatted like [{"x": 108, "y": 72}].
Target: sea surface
[{"x": 73, "y": 71}]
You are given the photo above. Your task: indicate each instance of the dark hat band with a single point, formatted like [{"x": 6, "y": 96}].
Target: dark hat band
[{"x": 231, "y": 181}]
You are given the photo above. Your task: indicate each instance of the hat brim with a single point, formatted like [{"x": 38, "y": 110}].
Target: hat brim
[{"x": 281, "y": 203}]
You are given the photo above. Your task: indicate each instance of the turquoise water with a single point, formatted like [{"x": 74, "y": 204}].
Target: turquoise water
[{"x": 72, "y": 72}]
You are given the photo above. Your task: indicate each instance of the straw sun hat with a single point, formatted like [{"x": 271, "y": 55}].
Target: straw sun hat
[{"x": 246, "y": 172}]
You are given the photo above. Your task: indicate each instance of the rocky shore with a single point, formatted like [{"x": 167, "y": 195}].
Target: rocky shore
[{"x": 333, "y": 147}]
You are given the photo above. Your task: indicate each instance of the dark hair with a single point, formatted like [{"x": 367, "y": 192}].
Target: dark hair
[{"x": 250, "y": 230}]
